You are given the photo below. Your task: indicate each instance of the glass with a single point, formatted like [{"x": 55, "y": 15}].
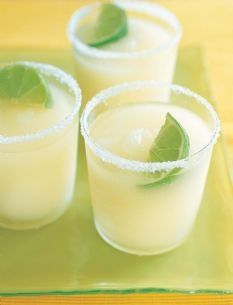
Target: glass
[
  {"x": 132, "y": 218},
  {"x": 38, "y": 166},
  {"x": 99, "y": 68}
]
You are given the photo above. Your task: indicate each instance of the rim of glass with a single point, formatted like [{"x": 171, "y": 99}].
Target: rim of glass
[
  {"x": 140, "y": 6},
  {"x": 61, "y": 77},
  {"x": 139, "y": 166}
]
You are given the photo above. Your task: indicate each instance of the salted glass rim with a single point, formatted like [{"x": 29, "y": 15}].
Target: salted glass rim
[
  {"x": 151, "y": 9},
  {"x": 140, "y": 166},
  {"x": 63, "y": 78}
]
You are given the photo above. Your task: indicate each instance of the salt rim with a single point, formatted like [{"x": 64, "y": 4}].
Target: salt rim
[
  {"x": 148, "y": 8},
  {"x": 63, "y": 78},
  {"x": 139, "y": 166}
]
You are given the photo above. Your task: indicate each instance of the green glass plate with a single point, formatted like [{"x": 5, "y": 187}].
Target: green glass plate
[{"x": 68, "y": 256}]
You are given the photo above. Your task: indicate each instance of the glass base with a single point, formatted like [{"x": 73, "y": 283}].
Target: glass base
[
  {"x": 33, "y": 225},
  {"x": 135, "y": 251}
]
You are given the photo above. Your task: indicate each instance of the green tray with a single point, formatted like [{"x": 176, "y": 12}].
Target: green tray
[{"x": 68, "y": 256}]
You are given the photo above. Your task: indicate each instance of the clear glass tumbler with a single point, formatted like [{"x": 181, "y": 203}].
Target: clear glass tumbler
[
  {"x": 99, "y": 68},
  {"x": 38, "y": 169},
  {"x": 146, "y": 220}
]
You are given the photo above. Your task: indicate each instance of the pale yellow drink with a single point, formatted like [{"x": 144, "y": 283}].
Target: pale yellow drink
[
  {"x": 129, "y": 216},
  {"x": 148, "y": 51},
  {"x": 38, "y": 154}
]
